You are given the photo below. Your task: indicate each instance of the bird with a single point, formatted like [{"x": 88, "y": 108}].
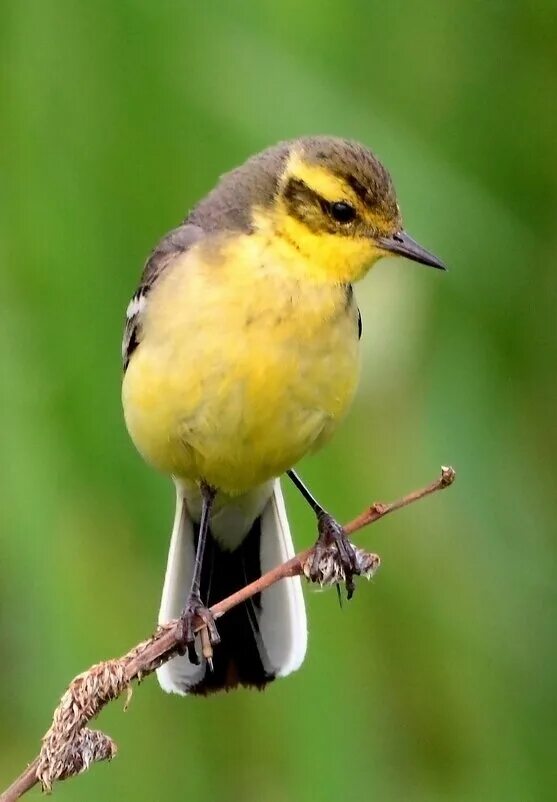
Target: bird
[{"x": 241, "y": 354}]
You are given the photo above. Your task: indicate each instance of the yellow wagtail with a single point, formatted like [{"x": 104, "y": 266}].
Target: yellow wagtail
[{"x": 241, "y": 354}]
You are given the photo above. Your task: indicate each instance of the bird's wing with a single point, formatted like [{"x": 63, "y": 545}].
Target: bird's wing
[{"x": 176, "y": 242}]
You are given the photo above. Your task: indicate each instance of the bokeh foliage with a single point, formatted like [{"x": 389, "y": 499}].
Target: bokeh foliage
[{"x": 438, "y": 681}]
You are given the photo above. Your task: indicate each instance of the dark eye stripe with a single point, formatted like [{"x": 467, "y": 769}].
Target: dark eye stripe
[
  {"x": 302, "y": 200},
  {"x": 297, "y": 191}
]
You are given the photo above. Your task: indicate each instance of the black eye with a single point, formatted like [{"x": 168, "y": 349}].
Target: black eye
[{"x": 343, "y": 212}]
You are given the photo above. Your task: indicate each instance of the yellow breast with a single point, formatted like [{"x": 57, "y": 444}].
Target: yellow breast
[{"x": 243, "y": 367}]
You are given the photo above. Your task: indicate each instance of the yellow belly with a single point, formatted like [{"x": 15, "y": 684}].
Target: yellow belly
[{"x": 241, "y": 370}]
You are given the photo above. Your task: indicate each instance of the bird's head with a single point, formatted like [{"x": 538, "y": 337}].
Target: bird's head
[{"x": 336, "y": 204}]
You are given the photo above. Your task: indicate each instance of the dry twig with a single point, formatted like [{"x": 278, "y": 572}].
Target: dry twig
[{"x": 69, "y": 747}]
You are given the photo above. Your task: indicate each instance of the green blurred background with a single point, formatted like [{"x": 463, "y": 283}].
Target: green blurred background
[{"x": 438, "y": 681}]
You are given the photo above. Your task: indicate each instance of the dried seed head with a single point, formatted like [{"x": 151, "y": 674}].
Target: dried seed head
[
  {"x": 69, "y": 747},
  {"x": 331, "y": 571}
]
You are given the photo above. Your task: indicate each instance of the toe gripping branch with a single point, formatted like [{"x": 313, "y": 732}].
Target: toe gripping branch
[
  {"x": 334, "y": 559},
  {"x": 194, "y": 613}
]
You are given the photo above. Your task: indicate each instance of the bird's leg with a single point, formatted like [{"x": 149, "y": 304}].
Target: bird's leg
[
  {"x": 194, "y": 606},
  {"x": 330, "y": 533}
]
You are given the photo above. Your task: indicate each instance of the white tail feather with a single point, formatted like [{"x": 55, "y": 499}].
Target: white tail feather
[
  {"x": 282, "y": 622},
  {"x": 178, "y": 674}
]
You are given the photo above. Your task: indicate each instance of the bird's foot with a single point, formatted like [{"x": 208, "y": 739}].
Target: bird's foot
[
  {"x": 193, "y": 612},
  {"x": 333, "y": 546}
]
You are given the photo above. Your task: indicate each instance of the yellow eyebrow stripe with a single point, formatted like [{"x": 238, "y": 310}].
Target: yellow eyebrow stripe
[{"x": 319, "y": 179}]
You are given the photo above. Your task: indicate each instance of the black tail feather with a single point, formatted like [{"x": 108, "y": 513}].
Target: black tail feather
[{"x": 239, "y": 659}]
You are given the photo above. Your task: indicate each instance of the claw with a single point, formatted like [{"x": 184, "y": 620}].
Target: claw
[
  {"x": 331, "y": 534},
  {"x": 195, "y": 609}
]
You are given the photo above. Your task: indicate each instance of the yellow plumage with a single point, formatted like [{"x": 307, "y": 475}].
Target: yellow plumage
[{"x": 243, "y": 366}]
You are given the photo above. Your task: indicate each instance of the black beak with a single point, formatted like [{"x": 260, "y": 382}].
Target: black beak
[{"x": 402, "y": 244}]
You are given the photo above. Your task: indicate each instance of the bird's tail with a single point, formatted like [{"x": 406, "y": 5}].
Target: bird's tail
[{"x": 262, "y": 638}]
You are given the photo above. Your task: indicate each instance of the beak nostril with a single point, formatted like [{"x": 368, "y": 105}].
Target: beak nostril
[{"x": 397, "y": 238}]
